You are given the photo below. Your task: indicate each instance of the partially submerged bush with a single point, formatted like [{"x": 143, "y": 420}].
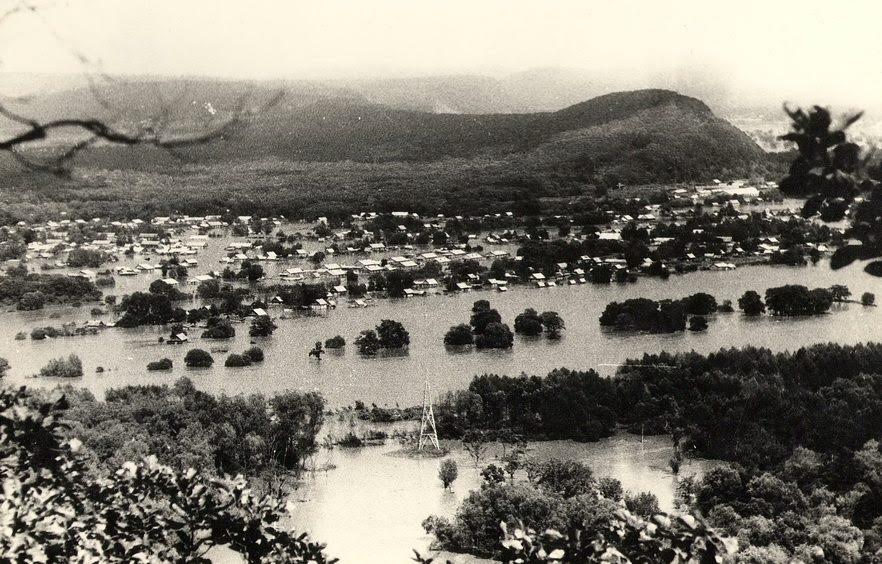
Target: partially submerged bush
[
  {"x": 70, "y": 367},
  {"x": 255, "y": 354},
  {"x": 198, "y": 358},
  {"x": 337, "y": 342},
  {"x": 161, "y": 364},
  {"x": 237, "y": 361}
]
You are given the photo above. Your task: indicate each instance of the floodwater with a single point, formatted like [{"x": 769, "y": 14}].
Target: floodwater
[
  {"x": 370, "y": 507},
  {"x": 345, "y": 376}
]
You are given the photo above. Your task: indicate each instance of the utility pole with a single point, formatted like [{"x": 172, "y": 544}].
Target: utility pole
[{"x": 428, "y": 435}]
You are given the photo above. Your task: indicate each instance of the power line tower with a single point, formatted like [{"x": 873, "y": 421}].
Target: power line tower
[{"x": 428, "y": 435}]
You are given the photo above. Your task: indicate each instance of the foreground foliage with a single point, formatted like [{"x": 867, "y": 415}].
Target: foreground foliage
[{"x": 54, "y": 508}]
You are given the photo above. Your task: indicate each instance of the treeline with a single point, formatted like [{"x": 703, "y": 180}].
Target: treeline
[
  {"x": 31, "y": 291},
  {"x": 668, "y": 316},
  {"x": 734, "y": 402},
  {"x": 565, "y": 404},
  {"x": 664, "y": 316}
]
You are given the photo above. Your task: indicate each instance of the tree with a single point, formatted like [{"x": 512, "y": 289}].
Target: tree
[
  {"x": 700, "y": 304},
  {"x": 367, "y": 342},
  {"x": 4, "y": 367},
  {"x": 250, "y": 271},
  {"x": 391, "y": 334},
  {"x": 209, "y": 289},
  {"x": 528, "y": 323},
  {"x": 553, "y": 323},
  {"x": 824, "y": 170},
  {"x": 219, "y": 328},
  {"x": 397, "y": 281},
  {"x": 868, "y": 299},
  {"x": 697, "y": 323},
  {"x": 261, "y": 326},
  {"x": 840, "y": 292},
  {"x": 751, "y": 303},
  {"x": 448, "y": 472},
  {"x": 480, "y": 305},
  {"x": 475, "y": 443},
  {"x": 198, "y": 358},
  {"x": 495, "y": 336},
  {"x": 482, "y": 318},
  {"x": 459, "y": 335},
  {"x": 255, "y": 354}
]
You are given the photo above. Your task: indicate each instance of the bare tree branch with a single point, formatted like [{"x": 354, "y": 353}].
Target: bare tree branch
[{"x": 98, "y": 131}]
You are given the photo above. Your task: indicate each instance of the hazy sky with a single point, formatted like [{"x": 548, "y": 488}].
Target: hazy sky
[{"x": 805, "y": 50}]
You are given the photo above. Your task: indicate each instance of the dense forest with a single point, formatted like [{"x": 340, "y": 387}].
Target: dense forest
[{"x": 798, "y": 430}]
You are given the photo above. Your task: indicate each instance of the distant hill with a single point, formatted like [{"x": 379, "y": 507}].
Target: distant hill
[
  {"x": 329, "y": 151},
  {"x": 639, "y": 136}
]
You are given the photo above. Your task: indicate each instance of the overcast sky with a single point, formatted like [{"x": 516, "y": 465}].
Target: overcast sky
[{"x": 773, "y": 49}]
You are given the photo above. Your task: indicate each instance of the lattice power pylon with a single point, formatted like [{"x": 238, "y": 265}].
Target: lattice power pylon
[{"x": 428, "y": 431}]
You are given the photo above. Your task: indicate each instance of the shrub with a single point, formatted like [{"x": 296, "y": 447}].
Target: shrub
[
  {"x": 351, "y": 441},
  {"x": 610, "y": 488},
  {"x": 643, "y": 504},
  {"x": 254, "y": 353},
  {"x": 161, "y": 364},
  {"x": 237, "y": 361},
  {"x": 198, "y": 358},
  {"x": 868, "y": 298},
  {"x": 459, "y": 335},
  {"x": 337, "y": 342},
  {"x": 30, "y": 301},
  {"x": 105, "y": 281},
  {"x": 70, "y": 367}
]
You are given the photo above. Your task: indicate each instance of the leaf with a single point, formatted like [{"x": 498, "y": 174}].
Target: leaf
[
  {"x": 874, "y": 268},
  {"x": 846, "y": 255}
]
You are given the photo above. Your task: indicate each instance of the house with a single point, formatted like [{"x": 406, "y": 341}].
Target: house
[
  {"x": 178, "y": 339},
  {"x": 259, "y": 312}
]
